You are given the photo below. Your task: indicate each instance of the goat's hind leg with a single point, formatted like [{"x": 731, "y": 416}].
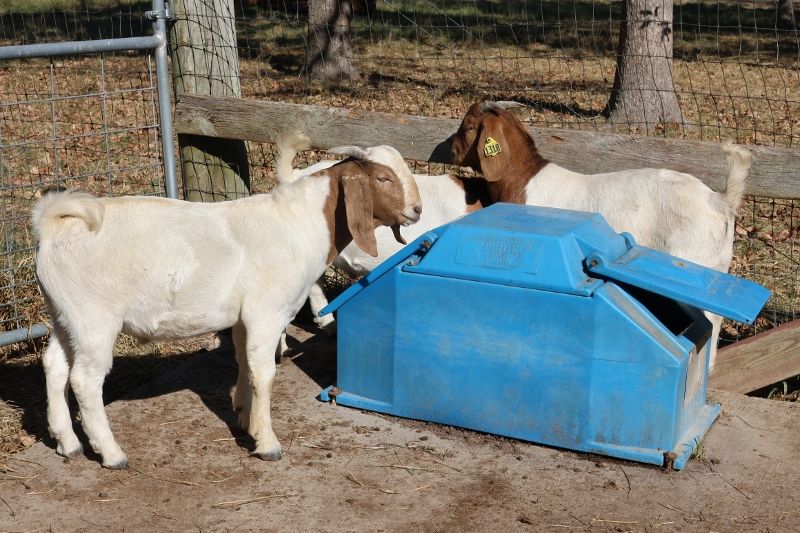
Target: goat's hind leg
[
  {"x": 716, "y": 327},
  {"x": 242, "y": 396},
  {"x": 262, "y": 340},
  {"x": 93, "y": 357},
  {"x": 56, "y": 372}
]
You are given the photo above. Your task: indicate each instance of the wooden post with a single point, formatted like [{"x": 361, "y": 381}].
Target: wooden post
[{"x": 205, "y": 61}]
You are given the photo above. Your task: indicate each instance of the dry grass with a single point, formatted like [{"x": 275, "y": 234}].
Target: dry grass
[{"x": 752, "y": 99}]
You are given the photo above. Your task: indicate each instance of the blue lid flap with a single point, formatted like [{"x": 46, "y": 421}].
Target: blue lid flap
[
  {"x": 421, "y": 244},
  {"x": 705, "y": 288}
]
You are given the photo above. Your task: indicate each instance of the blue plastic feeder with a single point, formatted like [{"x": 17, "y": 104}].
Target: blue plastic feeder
[{"x": 543, "y": 325}]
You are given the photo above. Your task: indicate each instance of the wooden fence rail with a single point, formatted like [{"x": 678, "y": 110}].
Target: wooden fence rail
[{"x": 775, "y": 172}]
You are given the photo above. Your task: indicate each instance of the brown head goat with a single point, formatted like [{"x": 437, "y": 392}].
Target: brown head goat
[
  {"x": 444, "y": 197},
  {"x": 666, "y": 210}
]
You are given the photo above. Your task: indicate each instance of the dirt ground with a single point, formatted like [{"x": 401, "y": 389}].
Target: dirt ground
[{"x": 348, "y": 470}]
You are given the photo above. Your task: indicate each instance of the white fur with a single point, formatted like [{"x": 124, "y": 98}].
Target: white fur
[
  {"x": 156, "y": 269},
  {"x": 663, "y": 209}
]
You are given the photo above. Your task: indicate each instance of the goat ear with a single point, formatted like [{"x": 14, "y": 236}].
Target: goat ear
[
  {"x": 494, "y": 153},
  {"x": 358, "y": 205},
  {"x": 355, "y": 152}
]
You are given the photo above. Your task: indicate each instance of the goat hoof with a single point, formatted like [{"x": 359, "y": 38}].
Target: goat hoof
[
  {"x": 269, "y": 456},
  {"x": 70, "y": 454},
  {"x": 121, "y": 464}
]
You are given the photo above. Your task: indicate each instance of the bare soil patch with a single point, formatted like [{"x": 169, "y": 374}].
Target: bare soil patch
[{"x": 347, "y": 470}]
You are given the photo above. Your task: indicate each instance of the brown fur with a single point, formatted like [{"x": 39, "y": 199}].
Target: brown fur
[
  {"x": 363, "y": 195},
  {"x": 508, "y": 172}
]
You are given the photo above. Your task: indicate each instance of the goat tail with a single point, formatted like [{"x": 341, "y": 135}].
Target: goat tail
[
  {"x": 288, "y": 146},
  {"x": 739, "y": 160},
  {"x": 55, "y": 209}
]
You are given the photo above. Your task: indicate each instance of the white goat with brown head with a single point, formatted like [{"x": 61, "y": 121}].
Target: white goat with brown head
[
  {"x": 157, "y": 269},
  {"x": 444, "y": 198},
  {"x": 663, "y": 209}
]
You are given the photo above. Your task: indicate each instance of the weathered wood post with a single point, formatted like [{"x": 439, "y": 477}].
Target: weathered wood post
[{"x": 205, "y": 61}]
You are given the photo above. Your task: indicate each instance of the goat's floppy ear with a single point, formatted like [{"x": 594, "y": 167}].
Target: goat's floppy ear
[
  {"x": 355, "y": 152},
  {"x": 358, "y": 205},
  {"x": 494, "y": 152}
]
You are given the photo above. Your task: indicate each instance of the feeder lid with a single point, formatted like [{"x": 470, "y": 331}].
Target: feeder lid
[
  {"x": 705, "y": 288},
  {"x": 523, "y": 246},
  {"x": 562, "y": 251},
  {"x": 507, "y": 244}
]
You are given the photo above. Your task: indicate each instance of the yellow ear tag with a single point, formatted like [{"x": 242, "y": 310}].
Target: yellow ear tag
[{"x": 491, "y": 147}]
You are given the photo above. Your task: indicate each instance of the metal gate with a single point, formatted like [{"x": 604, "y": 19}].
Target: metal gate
[{"x": 35, "y": 145}]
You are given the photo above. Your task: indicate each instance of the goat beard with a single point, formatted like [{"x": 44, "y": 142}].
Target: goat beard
[{"x": 396, "y": 231}]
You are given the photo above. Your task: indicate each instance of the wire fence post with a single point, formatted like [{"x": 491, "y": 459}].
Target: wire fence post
[{"x": 160, "y": 15}]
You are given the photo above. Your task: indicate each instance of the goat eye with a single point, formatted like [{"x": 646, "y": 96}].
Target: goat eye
[{"x": 383, "y": 179}]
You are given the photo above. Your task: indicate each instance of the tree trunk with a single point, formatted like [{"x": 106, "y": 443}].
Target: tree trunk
[
  {"x": 784, "y": 13},
  {"x": 330, "y": 54},
  {"x": 643, "y": 92},
  {"x": 205, "y": 61}
]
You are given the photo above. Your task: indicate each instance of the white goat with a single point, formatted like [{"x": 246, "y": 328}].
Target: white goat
[
  {"x": 444, "y": 198},
  {"x": 156, "y": 269},
  {"x": 663, "y": 209}
]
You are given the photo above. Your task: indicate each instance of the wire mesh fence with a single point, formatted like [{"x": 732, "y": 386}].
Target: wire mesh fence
[
  {"x": 88, "y": 122},
  {"x": 735, "y": 72}
]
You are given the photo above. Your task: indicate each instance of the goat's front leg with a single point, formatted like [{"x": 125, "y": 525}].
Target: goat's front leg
[
  {"x": 283, "y": 347},
  {"x": 262, "y": 340},
  {"x": 89, "y": 368},
  {"x": 56, "y": 372}
]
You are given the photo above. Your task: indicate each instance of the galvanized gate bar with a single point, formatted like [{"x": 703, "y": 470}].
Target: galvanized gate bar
[
  {"x": 24, "y": 334},
  {"x": 159, "y": 16},
  {"x": 157, "y": 42},
  {"x": 28, "y": 51}
]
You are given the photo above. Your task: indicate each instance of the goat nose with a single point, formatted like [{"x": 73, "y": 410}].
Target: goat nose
[{"x": 418, "y": 209}]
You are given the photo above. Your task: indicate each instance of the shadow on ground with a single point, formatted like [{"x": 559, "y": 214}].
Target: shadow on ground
[{"x": 22, "y": 384}]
